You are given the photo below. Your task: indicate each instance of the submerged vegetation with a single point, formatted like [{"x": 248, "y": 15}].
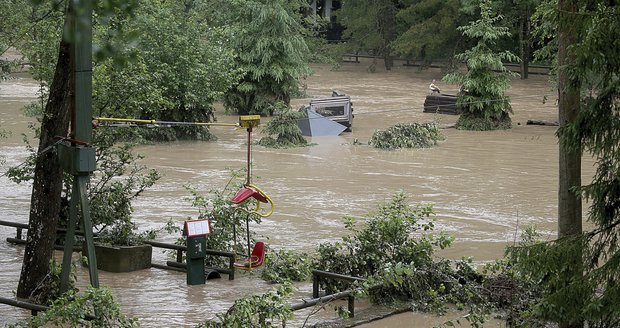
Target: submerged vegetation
[
  {"x": 407, "y": 135},
  {"x": 95, "y": 307},
  {"x": 282, "y": 131},
  {"x": 394, "y": 250}
]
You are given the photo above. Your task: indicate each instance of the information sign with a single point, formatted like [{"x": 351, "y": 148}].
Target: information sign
[{"x": 197, "y": 228}]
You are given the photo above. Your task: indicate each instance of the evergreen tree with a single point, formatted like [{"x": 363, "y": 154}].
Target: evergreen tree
[
  {"x": 580, "y": 272},
  {"x": 481, "y": 99},
  {"x": 271, "y": 52}
]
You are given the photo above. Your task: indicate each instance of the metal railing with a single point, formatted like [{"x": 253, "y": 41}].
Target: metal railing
[
  {"x": 316, "y": 299},
  {"x": 178, "y": 265},
  {"x": 19, "y": 240}
]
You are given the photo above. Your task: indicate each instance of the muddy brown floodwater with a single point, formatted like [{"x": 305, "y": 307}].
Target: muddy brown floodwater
[{"x": 485, "y": 186}]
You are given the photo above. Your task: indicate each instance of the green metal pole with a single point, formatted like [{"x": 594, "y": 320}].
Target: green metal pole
[
  {"x": 81, "y": 19},
  {"x": 83, "y": 70},
  {"x": 88, "y": 230},
  {"x": 69, "y": 241},
  {"x": 83, "y": 117}
]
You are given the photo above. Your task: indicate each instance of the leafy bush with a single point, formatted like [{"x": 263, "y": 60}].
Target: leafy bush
[
  {"x": 117, "y": 180},
  {"x": 110, "y": 197},
  {"x": 407, "y": 135},
  {"x": 282, "y": 130},
  {"x": 286, "y": 265},
  {"x": 228, "y": 221},
  {"x": 397, "y": 233},
  {"x": 72, "y": 309},
  {"x": 256, "y": 311}
]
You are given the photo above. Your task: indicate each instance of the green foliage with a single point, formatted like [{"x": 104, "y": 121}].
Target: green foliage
[
  {"x": 267, "y": 310},
  {"x": 430, "y": 30},
  {"x": 111, "y": 197},
  {"x": 48, "y": 289},
  {"x": 228, "y": 221},
  {"x": 40, "y": 37},
  {"x": 282, "y": 130},
  {"x": 407, "y": 135},
  {"x": 13, "y": 23},
  {"x": 176, "y": 65},
  {"x": 561, "y": 300},
  {"x": 271, "y": 52},
  {"x": 544, "y": 31},
  {"x": 94, "y": 308},
  {"x": 482, "y": 99},
  {"x": 370, "y": 26},
  {"x": 286, "y": 265},
  {"x": 432, "y": 288},
  {"x": 397, "y": 233},
  {"x": 591, "y": 260}
]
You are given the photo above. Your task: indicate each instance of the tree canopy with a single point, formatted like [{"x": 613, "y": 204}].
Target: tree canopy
[
  {"x": 270, "y": 50},
  {"x": 482, "y": 100}
]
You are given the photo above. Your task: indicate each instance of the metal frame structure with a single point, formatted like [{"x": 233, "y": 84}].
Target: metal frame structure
[{"x": 78, "y": 155}]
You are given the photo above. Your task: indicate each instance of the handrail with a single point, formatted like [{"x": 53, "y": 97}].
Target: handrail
[
  {"x": 182, "y": 248},
  {"x": 33, "y": 307},
  {"x": 317, "y": 274},
  {"x": 349, "y": 294}
]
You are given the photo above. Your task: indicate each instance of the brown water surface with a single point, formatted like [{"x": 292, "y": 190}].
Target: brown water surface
[{"x": 485, "y": 186}]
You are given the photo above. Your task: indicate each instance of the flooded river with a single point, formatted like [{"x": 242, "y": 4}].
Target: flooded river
[{"x": 485, "y": 186}]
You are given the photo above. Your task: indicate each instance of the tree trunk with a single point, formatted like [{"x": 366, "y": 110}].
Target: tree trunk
[
  {"x": 569, "y": 202},
  {"x": 47, "y": 183},
  {"x": 388, "y": 61},
  {"x": 525, "y": 43}
]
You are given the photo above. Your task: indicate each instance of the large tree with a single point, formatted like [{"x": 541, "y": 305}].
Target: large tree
[
  {"x": 47, "y": 184},
  {"x": 176, "y": 65},
  {"x": 580, "y": 271},
  {"x": 430, "y": 30},
  {"x": 370, "y": 26},
  {"x": 482, "y": 99},
  {"x": 569, "y": 200},
  {"x": 269, "y": 45}
]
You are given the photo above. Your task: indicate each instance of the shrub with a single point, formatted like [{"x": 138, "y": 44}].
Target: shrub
[
  {"x": 397, "y": 233},
  {"x": 282, "y": 130},
  {"x": 286, "y": 265},
  {"x": 256, "y": 311},
  {"x": 72, "y": 309},
  {"x": 407, "y": 135}
]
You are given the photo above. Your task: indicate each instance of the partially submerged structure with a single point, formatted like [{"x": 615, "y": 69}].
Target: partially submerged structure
[
  {"x": 441, "y": 103},
  {"x": 327, "y": 116}
]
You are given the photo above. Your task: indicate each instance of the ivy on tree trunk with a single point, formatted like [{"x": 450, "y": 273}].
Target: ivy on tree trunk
[{"x": 47, "y": 184}]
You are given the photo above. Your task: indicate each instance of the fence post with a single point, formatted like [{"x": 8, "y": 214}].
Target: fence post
[{"x": 315, "y": 285}]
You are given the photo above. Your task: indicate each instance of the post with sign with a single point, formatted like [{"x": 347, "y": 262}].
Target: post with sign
[{"x": 196, "y": 232}]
